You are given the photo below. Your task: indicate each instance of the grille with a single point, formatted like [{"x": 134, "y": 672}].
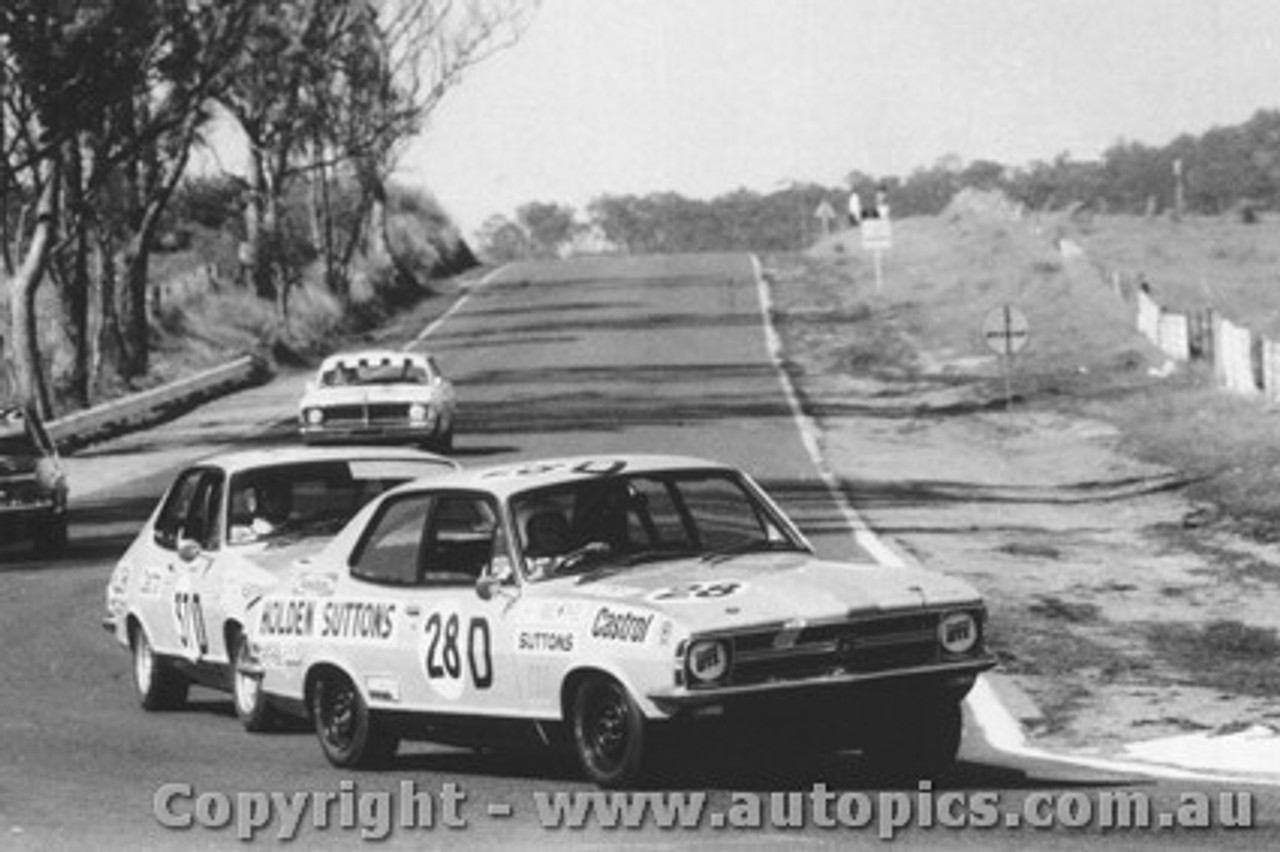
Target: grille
[
  {"x": 378, "y": 413},
  {"x": 865, "y": 646}
]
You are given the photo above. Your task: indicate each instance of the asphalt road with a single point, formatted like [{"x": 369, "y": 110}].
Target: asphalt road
[{"x": 663, "y": 355}]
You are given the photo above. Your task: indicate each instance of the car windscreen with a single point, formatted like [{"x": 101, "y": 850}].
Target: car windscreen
[
  {"x": 621, "y": 521},
  {"x": 407, "y": 372},
  {"x": 286, "y": 502}
]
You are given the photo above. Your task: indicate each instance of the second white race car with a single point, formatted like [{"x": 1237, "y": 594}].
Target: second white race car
[{"x": 222, "y": 534}]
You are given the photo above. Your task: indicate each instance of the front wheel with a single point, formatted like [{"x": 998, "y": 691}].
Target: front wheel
[
  {"x": 609, "y": 732},
  {"x": 350, "y": 736},
  {"x": 254, "y": 712},
  {"x": 159, "y": 684}
]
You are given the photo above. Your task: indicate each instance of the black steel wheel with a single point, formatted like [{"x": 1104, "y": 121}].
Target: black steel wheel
[
  {"x": 349, "y": 734},
  {"x": 609, "y": 732}
]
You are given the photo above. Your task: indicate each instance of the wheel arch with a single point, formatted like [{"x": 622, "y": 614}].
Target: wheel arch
[{"x": 576, "y": 675}]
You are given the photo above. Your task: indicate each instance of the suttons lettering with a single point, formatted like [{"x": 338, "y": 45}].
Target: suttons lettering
[
  {"x": 622, "y": 626},
  {"x": 546, "y": 641},
  {"x": 338, "y": 620}
]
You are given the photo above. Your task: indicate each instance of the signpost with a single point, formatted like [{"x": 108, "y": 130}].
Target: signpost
[
  {"x": 1006, "y": 332},
  {"x": 877, "y": 238}
]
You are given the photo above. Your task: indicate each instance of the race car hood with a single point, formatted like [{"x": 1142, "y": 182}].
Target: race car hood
[
  {"x": 762, "y": 589},
  {"x": 358, "y": 394}
]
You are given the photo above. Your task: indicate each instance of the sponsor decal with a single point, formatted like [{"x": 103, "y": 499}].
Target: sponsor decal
[
  {"x": 358, "y": 620},
  {"x": 958, "y": 632},
  {"x": 383, "y": 688},
  {"x": 710, "y": 590},
  {"x": 621, "y": 626},
  {"x": 707, "y": 661},
  {"x": 545, "y": 641},
  {"x": 287, "y": 618},
  {"x": 315, "y": 585},
  {"x": 150, "y": 585},
  {"x": 332, "y": 620}
]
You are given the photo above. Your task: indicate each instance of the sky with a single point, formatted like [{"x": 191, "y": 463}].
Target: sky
[{"x": 703, "y": 97}]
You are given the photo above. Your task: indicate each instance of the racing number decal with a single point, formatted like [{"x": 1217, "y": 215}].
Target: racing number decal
[
  {"x": 444, "y": 652},
  {"x": 189, "y": 616},
  {"x": 698, "y": 591}
]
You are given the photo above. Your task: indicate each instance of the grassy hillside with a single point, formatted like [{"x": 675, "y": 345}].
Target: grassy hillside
[{"x": 943, "y": 274}]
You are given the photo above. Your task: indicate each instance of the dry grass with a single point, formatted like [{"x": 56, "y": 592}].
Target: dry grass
[{"x": 1085, "y": 355}]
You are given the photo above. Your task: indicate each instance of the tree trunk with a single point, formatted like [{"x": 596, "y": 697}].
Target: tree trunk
[
  {"x": 74, "y": 279},
  {"x": 108, "y": 353},
  {"x": 25, "y": 354}
]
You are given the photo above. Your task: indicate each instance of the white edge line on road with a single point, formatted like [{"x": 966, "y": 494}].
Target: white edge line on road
[
  {"x": 453, "y": 309},
  {"x": 809, "y": 432}
]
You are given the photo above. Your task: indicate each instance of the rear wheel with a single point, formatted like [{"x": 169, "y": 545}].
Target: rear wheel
[
  {"x": 254, "y": 712},
  {"x": 609, "y": 732},
  {"x": 159, "y": 684},
  {"x": 350, "y": 736}
]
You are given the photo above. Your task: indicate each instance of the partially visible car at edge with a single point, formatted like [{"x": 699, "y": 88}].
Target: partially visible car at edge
[
  {"x": 33, "y": 481},
  {"x": 379, "y": 396},
  {"x": 591, "y": 602},
  {"x": 219, "y": 537}
]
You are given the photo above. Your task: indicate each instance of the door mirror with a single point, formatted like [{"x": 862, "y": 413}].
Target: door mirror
[
  {"x": 188, "y": 549},
  {"x": 500, "y": 574}
]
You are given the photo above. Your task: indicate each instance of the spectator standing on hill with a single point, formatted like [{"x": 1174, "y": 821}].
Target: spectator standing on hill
[{"x": 855, "y": 209}]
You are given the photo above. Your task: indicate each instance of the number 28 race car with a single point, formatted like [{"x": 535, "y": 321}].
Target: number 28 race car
[
  {"x": 598, "y": 604},
  {"x": 218, "y": 538}
]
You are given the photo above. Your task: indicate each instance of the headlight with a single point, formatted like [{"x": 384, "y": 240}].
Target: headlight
[
  {"x": 707, "y": 661},
  {"x": 958, "y": 632},
  {"x": 417, "y": 412},
  {"x": 315, "y": 416}
]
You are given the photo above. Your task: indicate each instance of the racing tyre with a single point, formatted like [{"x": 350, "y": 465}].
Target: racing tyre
[
  {"x": 254, "y": 712},
  {"x": 917, "y": 741},
  {"x": 159, "y": 684},
  {"x": 350, "y": 736},
  {"x": 609, "y": 732}
]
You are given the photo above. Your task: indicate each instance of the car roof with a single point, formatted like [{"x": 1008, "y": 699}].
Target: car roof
[
  {"x": 373, "y": 357},
  {"x": 248, "y": 459},
  {"x": 518, "y": 476}
]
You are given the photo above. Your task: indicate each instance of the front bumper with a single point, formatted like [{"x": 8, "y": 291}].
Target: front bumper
[
  {"x": 385, "y": 433},
  {"x": 955, "y": 676}
]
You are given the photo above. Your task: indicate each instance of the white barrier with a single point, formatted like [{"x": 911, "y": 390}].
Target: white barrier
[
  {"x": 149, "y": 403},
  {"x": 1233, "y": 358},
  {"x": 1172, "y": 336},
  {"x": 1148, "y": 318}
]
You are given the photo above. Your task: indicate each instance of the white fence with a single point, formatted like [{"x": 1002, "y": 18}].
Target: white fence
[{"x": 1243, "y": 362}]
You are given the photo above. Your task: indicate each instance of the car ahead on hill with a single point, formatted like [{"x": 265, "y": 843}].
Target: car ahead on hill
[
  {"x": 596, "y": 603},
  {"x": 33, "y": 483},
  {"x": 379, "y": 396},
  {"x": 221, "y": 534}
]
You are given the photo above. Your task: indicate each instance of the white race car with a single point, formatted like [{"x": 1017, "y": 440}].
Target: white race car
[
  {"x": 379, "y": 396},
  {"x": 220, "y": 536},
  {"x": 595, "y": 602}
]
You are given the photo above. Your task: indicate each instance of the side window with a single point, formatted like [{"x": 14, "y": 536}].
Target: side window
[
  {"x": 204, "y": 522},
  {"x": 461, "y": 540},
  {"x": 390, "y": 550},
  {"x": 173, "y": 514}
]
